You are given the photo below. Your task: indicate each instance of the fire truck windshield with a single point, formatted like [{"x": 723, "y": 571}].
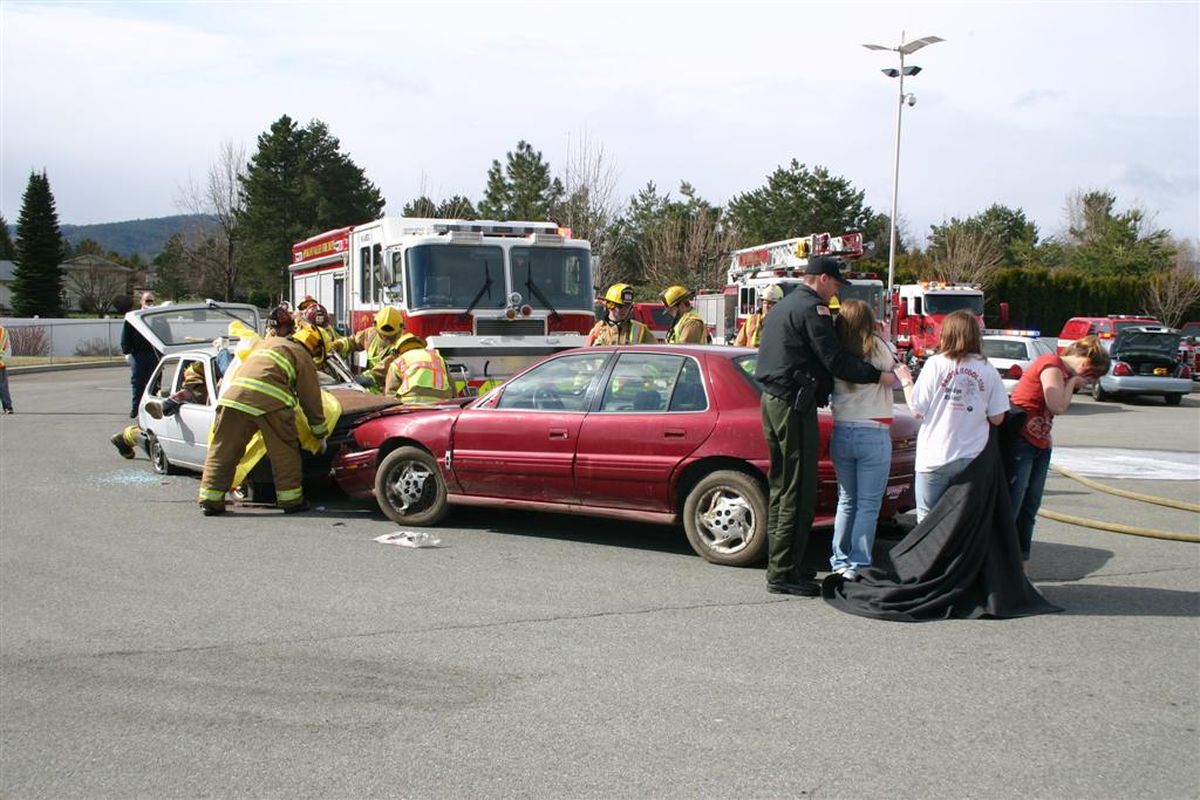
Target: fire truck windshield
[
  {"x": 561, "y": 275},
  {"x": 451, "y": 275},
  {"x": 949, "y": 303}
]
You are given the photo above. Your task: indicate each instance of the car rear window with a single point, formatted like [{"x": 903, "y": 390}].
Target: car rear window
[
  {"x": 746, "y": 365},
  {"x": 1004, "y": 348}
]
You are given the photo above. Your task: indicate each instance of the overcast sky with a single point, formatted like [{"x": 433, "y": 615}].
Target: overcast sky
[{"x": 1022, "y": 104}]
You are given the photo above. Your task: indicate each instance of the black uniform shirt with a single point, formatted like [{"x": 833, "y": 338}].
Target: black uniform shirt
[{"x": 798, "y": 336}]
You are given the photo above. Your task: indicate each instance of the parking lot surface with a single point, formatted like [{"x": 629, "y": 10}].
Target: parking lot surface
[{"x": 147, "y": 651}]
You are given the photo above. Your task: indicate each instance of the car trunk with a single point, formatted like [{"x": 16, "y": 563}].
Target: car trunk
[{"x": 1147, "y": 353}]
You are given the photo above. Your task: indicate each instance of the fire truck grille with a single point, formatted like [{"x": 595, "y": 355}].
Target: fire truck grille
[{"x": 514, "y": 327}]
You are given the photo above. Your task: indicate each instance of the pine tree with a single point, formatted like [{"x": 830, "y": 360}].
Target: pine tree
[
  {"x": 522, "y": 189},
  {"x": 38, "y": 281},
  {"x": 298, "y": 184},
  {"x": 171, "y": 270},
  {"x": 7, "y": 251}
]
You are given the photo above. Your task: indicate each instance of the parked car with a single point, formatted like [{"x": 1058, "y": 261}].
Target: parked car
[
  {"x": 650, "y": 433},
  {"x": 1106, "y": 328},
  {"x": 1145, "y": 361},
  {"x": 1189, "y": 345},
  {"x": 1011, "y": 352},
  {"x": 184, "y": 334}
]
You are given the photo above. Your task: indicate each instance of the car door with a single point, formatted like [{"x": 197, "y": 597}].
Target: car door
[
  {"x": 654, "y": 412},
  {"x": 519, "y": 442},
  {"x": 162, "y": 383},
  {"x": 195, "y": 419}
]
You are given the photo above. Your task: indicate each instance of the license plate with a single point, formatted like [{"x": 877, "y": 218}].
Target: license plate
[{"x": 1160, "y": 370}]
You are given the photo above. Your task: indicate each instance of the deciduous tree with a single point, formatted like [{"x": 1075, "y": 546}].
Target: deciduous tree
[
  {"x": 212, "y": 245},
  {"x": 588, "y": 205},
  {"x": 38, "y": 280}
]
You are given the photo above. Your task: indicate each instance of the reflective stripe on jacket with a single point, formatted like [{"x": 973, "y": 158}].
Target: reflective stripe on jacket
[
  {"x": 277, "y": 374},
  {"x": 419, "y": 375},
  {"x": 688, "y": 329}
]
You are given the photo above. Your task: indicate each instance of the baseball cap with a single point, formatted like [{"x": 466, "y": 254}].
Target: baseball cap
[{"x": 824, "y": 265}]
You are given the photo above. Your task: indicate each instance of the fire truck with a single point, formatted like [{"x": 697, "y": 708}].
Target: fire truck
[
  {"x": 752, "y": 269},
  {"x": 492, "y": 297},
  {"x": 920, "y": 309}
]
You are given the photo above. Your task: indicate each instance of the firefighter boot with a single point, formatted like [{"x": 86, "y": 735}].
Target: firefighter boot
[{"x": 118, "y": 441}]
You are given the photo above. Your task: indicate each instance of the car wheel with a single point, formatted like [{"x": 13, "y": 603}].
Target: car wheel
[
  {"x": 409, "y": 487},
  {"x": 1174, "y": 399},
  {"x": 725, "y": 516},
  {"x": 252, "y": 492},
  {"x": 1098, "y": 393},
  {"x": 158, "y": 459}
]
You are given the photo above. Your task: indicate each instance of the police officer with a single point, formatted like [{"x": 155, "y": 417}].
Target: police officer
[
  {"x": 618, "y": 325},
  {"x": 797, "y": 360}
]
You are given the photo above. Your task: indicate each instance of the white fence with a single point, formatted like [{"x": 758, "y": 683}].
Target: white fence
[{"x": 64, "y": 338}]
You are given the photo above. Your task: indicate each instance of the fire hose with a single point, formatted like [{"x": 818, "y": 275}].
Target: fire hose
[{"x": 1114, "y": 527}]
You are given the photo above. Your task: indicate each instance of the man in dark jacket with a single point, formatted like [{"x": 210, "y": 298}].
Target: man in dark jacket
[
  {"x": 798, "y": 357},
  {"x": 140, "y": 354}
]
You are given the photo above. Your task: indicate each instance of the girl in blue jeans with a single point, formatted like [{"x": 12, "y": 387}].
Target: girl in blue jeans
[{"x": 861, "y": 445}]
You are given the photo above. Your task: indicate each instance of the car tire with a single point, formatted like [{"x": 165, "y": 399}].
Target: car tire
[
  {"x": 409, "y": 487},
  {"x": 1099, "y": 394},
  {"x": 1173, "y": 399},
  {"x": 251, "y": 491},
  {"x": 725, "y": 517},
  {"x": 158, "y": 459}
]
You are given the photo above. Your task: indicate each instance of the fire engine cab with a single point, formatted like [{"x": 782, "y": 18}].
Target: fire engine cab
[
  {"x": 920, "y": 309},
  {"x": 492, "y": 297},
  {"x": 752, "y": 269}
]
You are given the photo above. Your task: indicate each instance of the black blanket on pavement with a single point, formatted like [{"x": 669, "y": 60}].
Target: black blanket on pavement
[{"x": 962, "y": 561}]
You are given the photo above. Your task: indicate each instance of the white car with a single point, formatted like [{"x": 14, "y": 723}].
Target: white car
[
  {"x": 1011, "y": 353},
  {"x": 184, "y": 334}
]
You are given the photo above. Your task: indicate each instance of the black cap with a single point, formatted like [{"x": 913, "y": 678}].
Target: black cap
[{"x": 824, "y": 265}]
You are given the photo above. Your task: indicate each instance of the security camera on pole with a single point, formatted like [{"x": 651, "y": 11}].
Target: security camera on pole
[{"x": 904, "y": 49}]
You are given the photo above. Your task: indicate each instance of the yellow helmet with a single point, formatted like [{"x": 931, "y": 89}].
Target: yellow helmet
[
  {"x": 312, "y": 340},
  {"x": 675, "y": 295},
  {"x": 389, "y": 320},
  {"x": 619, "y": 294}
]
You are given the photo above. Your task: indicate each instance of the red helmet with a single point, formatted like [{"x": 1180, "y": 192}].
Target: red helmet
[{"x": 314, "y": 313}]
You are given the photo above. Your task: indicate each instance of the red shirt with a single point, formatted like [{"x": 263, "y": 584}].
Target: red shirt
[{"x": 1030, "y": 396}]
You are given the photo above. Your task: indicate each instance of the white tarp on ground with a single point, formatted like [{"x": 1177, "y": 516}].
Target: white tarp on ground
[{"x": 1110, "y": 462}]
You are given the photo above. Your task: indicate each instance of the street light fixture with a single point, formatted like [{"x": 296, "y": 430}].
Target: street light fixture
[{"x": 904, "y": 49}]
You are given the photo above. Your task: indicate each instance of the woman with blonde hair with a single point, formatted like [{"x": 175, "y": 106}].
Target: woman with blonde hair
[
  {"x": 861, "y": 445},
  {"x": 1044, "y": 391},
  {"x": 956, "y": 396}
]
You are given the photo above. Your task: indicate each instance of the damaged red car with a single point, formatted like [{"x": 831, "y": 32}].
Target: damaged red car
[{"x": 648, "y": 433}]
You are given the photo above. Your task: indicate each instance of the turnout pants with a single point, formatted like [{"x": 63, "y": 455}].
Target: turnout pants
[
  {"x": 231, "y": 432},
  {"x": 792, "y": 440}
]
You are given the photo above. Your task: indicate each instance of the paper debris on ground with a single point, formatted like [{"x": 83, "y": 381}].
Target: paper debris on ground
[{"x": 409, "y": 539}]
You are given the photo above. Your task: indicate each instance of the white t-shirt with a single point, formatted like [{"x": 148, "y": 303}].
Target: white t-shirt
[{"x": 955, "y": 401}]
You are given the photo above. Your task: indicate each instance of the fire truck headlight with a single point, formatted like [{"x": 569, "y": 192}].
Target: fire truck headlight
[{"x": 510, "y": 312}]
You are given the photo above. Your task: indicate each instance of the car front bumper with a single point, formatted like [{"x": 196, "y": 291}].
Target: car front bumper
[{"x": 354, "y": 471}]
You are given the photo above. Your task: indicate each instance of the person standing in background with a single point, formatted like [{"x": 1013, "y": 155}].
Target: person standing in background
[
  {"x": 5, "y": 354},
  {"x": 140, "y": 354}
]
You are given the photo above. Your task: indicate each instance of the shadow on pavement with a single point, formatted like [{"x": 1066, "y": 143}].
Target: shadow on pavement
[
  {"x": 1089, "y": 409},
  {"x": 1122, "y": 601}
]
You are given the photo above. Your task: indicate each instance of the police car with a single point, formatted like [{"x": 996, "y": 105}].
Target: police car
[{"x": 1012, "y": 351}]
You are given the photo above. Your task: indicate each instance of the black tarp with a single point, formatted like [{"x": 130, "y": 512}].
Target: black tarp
[{"x": 961, "y": 561}]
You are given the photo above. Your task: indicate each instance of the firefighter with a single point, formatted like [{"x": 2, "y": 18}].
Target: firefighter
[
  {"x": 128, "y": 440},
  {"x": 618, "y": 325},
  {"x": 749, "y": 335},
  {"x": 261, "y": 397},
  {"x": 418, "y": 375},
  {"x": 689, "y": 327},
  {"x": 315, "y": 315},
  {"x": 192, "y": 390},
  {"x": 280, "y": 321},
  {"x": 382, "y": 343}
]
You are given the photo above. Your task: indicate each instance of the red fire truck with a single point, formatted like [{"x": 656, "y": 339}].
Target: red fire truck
[
  {"x": 752, "y": 269},
  {"x": 491, "y": 296},
  {"x": 920, "y": 309}
]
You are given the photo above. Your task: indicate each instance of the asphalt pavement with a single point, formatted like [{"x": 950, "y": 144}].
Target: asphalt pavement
[{"x": 147, "y": 651}]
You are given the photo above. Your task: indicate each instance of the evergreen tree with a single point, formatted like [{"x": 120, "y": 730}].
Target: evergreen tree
[
  {"x": 1101, "y": 241},
  {"x": 797, "y": 201},
  {"x": 421, "y": 207},
  {"x": 522, "y": 189},
  {"x": 1014, "y": 237},
  {"x": 7, "y": 250},
  {"x": 38, "y": 281},
  {"x": 171, "y": 280},
  {"x": 298, "y": 184},
  {"x": 456, "y": 207}
]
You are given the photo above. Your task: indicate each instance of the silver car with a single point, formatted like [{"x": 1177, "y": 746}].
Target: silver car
[{"x": 1145, "y": 361}]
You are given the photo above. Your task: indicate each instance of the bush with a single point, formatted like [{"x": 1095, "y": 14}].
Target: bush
[
  {"x": 29, "y": 341},
  {"x": 94, "y": 347}
]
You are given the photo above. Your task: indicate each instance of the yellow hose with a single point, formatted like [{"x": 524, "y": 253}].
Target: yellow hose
[
  {"x": 1145, "y": 498},
  {"x": 1150, "y": 533}
]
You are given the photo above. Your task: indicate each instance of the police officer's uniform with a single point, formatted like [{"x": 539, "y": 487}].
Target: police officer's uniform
[{"x": 798, "y": 347}]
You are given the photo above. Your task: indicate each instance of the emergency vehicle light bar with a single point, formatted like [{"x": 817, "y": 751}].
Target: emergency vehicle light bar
[{"x": 1010, "y": 332}]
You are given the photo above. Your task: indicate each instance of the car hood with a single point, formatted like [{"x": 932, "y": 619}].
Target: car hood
[
  {"x": 1152, "y": 342},
  {"x": 183, "y": 326}
]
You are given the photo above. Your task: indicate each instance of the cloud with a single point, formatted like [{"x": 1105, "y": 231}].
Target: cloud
[{"x": 1035, "y": 98}]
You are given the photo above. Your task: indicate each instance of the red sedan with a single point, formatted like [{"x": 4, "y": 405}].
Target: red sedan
[{"x": 649, "y": 433}]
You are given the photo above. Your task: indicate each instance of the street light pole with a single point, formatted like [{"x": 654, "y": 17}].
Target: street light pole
[{"x": 903, "y": 49}]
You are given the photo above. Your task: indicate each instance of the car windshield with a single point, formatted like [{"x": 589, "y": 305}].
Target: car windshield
[
  {"x": 1144, "y": 341},
  {"x": 553, "y": 277},
  {"x": 453, "y": 275},
  {"x": 949, "y": 303},
  {"x": 746, "y": 365},
  {"x": 1120, "y": 326},
  {"x": 1005, "y": 348}
]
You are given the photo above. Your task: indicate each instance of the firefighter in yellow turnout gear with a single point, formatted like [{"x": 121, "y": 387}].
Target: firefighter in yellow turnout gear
[
  {"x": 418, "y": 375},
  {"x": 689, "y": 328},
  {"x": 751, "y": 331},
  {"x": 618, "y": 326},
  {"x": 380, "y": 342},
  {"x": 261, "y": 396}
]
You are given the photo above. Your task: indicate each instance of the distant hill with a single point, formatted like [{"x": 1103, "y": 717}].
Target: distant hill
[{"x": 146, "y": 237}]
